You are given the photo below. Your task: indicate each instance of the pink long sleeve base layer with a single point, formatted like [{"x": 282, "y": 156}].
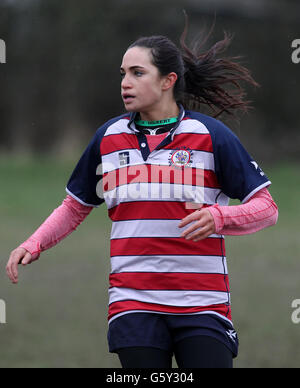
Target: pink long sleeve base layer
[
  {"x": 62, "y": 222},
  {"x": 258, "y": 213}
]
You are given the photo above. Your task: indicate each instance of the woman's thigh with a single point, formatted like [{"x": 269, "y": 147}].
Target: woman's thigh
[{"x": 202, "y": 352}]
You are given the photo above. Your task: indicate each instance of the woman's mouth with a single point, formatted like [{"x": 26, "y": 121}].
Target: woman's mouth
[{"x": 128, "y": 98}]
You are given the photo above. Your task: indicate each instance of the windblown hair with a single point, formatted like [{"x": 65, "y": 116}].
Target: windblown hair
[{"x": 203, "y": 77}]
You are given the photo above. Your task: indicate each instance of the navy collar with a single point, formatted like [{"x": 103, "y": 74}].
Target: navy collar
[
  {"x": 133, "y": 115},
  {"x": 141, "y": 137}
]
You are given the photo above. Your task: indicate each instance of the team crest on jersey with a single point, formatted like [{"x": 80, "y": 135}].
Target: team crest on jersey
[{"x": 181, "y": 157}]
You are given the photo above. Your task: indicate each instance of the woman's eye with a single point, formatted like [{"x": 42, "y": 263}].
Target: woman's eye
[{"x": 136, "y": 73}]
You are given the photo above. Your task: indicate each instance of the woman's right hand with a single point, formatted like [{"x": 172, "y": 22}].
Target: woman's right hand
[{"x": 17, "y": 256}]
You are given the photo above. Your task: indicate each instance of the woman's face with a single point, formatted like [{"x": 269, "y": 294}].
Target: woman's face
[{"x": 142, "y": 84}]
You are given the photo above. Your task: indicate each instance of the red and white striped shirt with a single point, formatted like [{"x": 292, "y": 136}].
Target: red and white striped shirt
[{"x": 147, "y": 193}]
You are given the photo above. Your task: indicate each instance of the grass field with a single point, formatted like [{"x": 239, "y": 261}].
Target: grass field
[{"x": 56, "y": 315}]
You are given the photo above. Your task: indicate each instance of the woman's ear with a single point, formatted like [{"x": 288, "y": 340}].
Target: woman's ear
[{"x": 169, "y": 81}]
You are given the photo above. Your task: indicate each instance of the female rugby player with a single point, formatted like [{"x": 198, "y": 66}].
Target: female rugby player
[{"x": 166, "y": 173}]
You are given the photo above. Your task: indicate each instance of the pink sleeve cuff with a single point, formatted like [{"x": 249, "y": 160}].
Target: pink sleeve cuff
[
  {"x": 33, "y": 247},
  {"x": 259, "y": 212},
  {"x": 216, "y": 212}
]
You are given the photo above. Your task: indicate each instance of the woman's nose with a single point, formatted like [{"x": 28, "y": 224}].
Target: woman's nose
[{"x": 125, "y": 84}]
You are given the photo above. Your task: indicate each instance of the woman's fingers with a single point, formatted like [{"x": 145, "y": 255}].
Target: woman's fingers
[
  {"x": 190, "y": 218},
  {"x": 12, "y": 266},
  {"x": 192, "y": 228},
  {"x": 201, "y": 229},
  {"x": 18, "y": 256},
  {"x": 200, "y": 234}
]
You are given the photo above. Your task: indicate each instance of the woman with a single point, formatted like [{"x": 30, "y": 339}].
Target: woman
[{"x": 169, "y": 290}]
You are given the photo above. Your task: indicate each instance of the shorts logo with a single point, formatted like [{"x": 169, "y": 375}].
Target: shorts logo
[
  {"x": 232, "y": 334},
  {"x": 181, "y": 157}
]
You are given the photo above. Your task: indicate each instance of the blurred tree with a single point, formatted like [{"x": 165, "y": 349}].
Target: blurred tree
[{"x": 61, "y": 80}]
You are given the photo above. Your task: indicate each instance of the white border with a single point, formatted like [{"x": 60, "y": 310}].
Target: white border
[
  {"x": 255, "y": 191},
  {"x": 163, "y": 313},
  {"x": 79, "y": 200}
]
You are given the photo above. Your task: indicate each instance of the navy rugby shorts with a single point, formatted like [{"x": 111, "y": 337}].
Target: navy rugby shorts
[{"x": 163, "y": 330}]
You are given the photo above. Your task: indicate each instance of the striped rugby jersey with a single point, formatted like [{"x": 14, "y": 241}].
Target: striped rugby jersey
[{"x": 147, "y": 194}]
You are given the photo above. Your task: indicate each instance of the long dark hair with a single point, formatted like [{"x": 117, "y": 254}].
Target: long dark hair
[{"x": 203, "y": 77}]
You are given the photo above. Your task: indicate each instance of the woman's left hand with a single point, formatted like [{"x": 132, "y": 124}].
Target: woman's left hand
[{"x": 202, "y": 228}]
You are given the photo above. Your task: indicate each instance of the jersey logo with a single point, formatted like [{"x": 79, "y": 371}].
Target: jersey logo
[
  {"x": 124, "y": 158},
  {"x": 181, "y": 157},
  {"x": 258, "y": 168}
]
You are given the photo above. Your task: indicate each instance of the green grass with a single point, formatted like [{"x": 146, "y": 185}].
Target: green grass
[{"x": 57, "y": 314}]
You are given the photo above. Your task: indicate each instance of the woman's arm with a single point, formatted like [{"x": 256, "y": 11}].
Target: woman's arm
[
  {"x": 62, "y": 222},
  {"x": 259, "y": 212}
]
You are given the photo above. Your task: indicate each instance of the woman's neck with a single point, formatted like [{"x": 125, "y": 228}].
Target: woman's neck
[{"x": 161, "y": 113}]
